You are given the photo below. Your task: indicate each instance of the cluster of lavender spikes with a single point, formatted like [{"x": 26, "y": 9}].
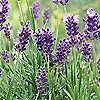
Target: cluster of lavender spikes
[
  {"x": 98, "y": 65},
  {"x": 44, "y": 40},
  {"x": 41, "y": 79},
  {"x": 7, "y": 30},
  {"x": 92, "y": 27},
  {"x": 46, "y": 15},
  {"x": 63, "y": 2},
  {"x": 62, "y": 48},
  {"x": 4, "y": 8},
  {"x": 6, "y": 56},
  {"x": 23, "y": 37},
  {"x": 36, "y": 9}
]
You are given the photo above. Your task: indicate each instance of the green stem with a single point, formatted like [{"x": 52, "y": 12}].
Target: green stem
[
  {"x": 30, "y": 14},
  {"x": 21, "y": 11},
  {"x": 74, "y": 66},
  {"x": 65, "y": 9},
  {"x": 37, "y": 96},
  {"x": 57, "y": 28}
]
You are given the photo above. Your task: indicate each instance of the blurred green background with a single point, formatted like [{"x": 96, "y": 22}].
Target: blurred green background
[{"x": 76, "y": 7}]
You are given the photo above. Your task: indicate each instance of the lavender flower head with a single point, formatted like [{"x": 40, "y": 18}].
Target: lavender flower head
[
  {"x": 7, "y": 30},
  {"x": 41, "y": 79},
  {"x": 86, "y": 51},
  {"x": 56, "y": 1},
  {"x": 63, "y": 2},
  {"x": 62, "y": 48},
  {"x": 71, "y": 23},
  {"x": 5, "y": 56},
  {"x": 36, "y": 9},
  {"x": 23, "y": 37},
  {"x": 98, "y": 65},
  {"x": 44, "y": 40},
  {"x": 4, "y": 8},
  {"x": 92, "y": 27},
  {"x": 46, "y": 15}
]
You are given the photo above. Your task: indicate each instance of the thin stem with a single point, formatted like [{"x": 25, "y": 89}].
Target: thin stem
[
  {"x": 37, "y": 96},
  {"x": 65, "y": 9},
  {"x": 21, "y": 11},
  {"x": 30, "y": 14},
  {"x": 57, "y": 28}
]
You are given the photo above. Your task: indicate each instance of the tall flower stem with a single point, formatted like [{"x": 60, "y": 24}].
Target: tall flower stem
[
  {"x": 57, "y": 27},
  {"x": 74, "y": 66},
  {"x": 65, "y": 9},
  {"x": 21, "y": 11},
  {"x": 94, "y": 61},
  {"x": 30, "y": 16},
  {"x": 37, "y": 96},
  {"x": 47, "y": 61}
]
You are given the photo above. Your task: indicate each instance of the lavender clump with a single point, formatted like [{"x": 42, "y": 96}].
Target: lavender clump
[
  {"x": 92, "y": 27},
  {"x": 36, "y": 9},
  {"x": 7, "y": 30},
  {"x": 4, "y": 9},
  {"x": 98, "y": 65},
  {"x": 41, "y": 79},
  {"x": 44, "y": 40},
  {"x": 86, "y": 51},
  {"x": 23, "y": 37},
  {"x": 63, "y": 2},
  {"x": 5, "y": 56},
  {"x": 46, "y": 15},
  {"x": 62, "y": 48}
]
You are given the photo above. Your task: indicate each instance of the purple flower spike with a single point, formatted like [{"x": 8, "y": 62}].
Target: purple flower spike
[
  {"x": 41, "y": 79},
  {"x": 7, "y": 30},
  {"x": 62, "y": 48},
  {"x": 92, "y": 27},
  {"x": 36, "y": 9},
  {"x": 86, "y": 51},
  {"x": 63, "y": 2},
  {"x": 44, "y": 40},
  {"x": 56, "y": 1},
  {"x": 46, "y": 15},
  {"x": 4, "y": 8},
  {"x": 23, "y": 37},
  {"x": 71, "y": 23},
  {"x": 5, "y": 56}
]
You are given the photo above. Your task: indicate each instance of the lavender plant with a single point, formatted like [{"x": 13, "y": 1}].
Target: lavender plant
[{"x": 48, "y": 62}]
